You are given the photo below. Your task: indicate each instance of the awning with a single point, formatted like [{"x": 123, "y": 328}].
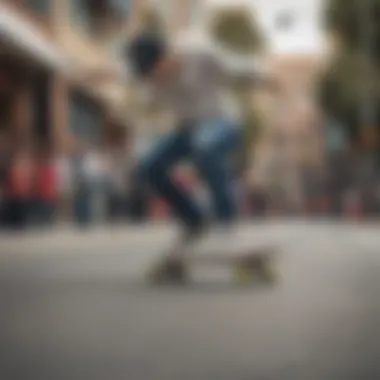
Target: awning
[{"x": 24, "y": 36}]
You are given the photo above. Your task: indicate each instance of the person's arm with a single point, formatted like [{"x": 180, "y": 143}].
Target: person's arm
[
  {"x": 96, "y": 75},
  {"x": 247, "y": 69},
  {"x": 99, "y": 74}
]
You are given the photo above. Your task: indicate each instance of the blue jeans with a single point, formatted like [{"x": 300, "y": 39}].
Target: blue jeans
[{"x": 208, "y": 146}]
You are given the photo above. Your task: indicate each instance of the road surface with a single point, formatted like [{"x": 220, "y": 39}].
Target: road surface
[{"x": 74, "y": 307}]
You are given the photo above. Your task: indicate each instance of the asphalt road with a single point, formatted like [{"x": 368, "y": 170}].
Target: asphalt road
[{"x": 78, "y": 309}]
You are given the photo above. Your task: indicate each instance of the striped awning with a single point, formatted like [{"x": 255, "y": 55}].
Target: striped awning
[{"x": 18, "y": 32}]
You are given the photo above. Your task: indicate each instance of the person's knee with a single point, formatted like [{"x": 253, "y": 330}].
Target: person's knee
[
  {"x": 207, "y": 157},
  {"x": 223, "y": 136}
]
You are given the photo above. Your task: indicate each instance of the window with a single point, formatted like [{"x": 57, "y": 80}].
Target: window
[
  {"x": 39, "y": 6},
  {"x": 85, "y": 118},
  {"x": 98, "y": 17}
]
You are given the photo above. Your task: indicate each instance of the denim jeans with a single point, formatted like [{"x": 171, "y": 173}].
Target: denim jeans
[{"x": 208, "y": 146}]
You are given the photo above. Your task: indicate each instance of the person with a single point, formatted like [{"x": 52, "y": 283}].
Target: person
[
  {"x": 46, "y": 189},
  {"x": 118, "y": 173},
  {"x": 85, "y": 172},
  {"x": 18, "y": 191},
  {"x": 189, "y": 79}
]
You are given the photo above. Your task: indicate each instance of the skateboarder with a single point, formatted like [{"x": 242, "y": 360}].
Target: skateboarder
[{"x": 190, "y": 80}]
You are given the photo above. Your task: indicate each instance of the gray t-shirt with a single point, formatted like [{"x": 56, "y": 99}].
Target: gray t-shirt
[{"x": 198, "y": 91}]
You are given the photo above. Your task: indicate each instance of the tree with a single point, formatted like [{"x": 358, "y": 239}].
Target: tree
[
  {"x": 236, "y": 30},
  {"x": 346, "y": 20},
  {"x": 353, "y": 68}
]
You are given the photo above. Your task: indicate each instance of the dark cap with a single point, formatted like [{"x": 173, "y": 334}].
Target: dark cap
[{"x": 144, "y": 52}]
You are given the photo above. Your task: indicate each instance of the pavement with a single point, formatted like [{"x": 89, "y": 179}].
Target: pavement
[{"x": 74, "y": 306}]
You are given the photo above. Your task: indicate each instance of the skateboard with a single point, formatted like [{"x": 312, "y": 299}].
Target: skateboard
[{"x": 251, "y": 266}]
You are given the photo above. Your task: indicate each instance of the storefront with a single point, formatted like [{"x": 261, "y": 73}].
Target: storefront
[{"x": 28, "y": 62}]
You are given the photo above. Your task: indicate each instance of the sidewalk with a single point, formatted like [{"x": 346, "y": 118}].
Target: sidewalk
[
  {"x": 67, "y": 237},
  {"x": 70, "y": 239}
]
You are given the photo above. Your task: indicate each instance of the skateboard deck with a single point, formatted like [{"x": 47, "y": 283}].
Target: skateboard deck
[{"x": 247, "y": 266}]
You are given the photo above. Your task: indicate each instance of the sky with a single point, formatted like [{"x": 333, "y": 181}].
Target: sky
[{"x": 306, "y": 34}]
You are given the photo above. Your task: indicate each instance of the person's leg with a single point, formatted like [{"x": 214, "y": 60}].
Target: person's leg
[
  {"x": 213, "y": 143},
  {"x": 156, "y": 166}
]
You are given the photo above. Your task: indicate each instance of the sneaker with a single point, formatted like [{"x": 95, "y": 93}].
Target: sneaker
[{"x": 189, "y": 237}]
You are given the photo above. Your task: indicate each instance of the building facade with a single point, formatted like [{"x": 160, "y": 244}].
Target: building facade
[
  {"x": 292, "y": 139},
  {"x": 42, "y": 44}
]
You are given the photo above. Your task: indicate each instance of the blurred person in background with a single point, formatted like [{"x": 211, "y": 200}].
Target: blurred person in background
[
  {"x": 18, "y": 190},
  {"x": 88, "y": 170},
  {"x": 257, "y": 200},
  {"x": 139, "y": 195},
  {"x": 65, "y": 189},
  {"x": 339, "y": 168},
  {"x": 98, "y": 175},
  {"x": 80, "y": 165},
  {"x": 81, "y": 189},
  {"x": 368, "y": 170},
  {"x": 117, "y": 170},
  {"x": 352, "y": 204},
  {"x": 45, "y": 188},
  {"x": 5, "y": 152}
]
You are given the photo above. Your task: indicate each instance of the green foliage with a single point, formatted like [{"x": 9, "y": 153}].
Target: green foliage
[
  {"x": 236, "y": 30},
  {"x": 342, "y": 87},
  {"x": 348, "y": 18},
  {"x": 346, "y": 77},
  {"x": 153, "y": 22}
]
